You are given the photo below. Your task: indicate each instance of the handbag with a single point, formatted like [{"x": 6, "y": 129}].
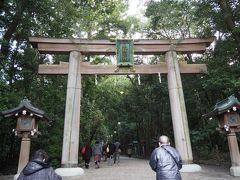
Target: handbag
[{"x": 119, "y": 150}]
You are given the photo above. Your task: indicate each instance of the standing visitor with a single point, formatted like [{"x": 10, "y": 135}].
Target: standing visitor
[
  {"x": 166, "y": 161},
  {"x": 116, "y": 155},
  {"x": 87, "y": 154},
  {"x": 110, "y": 151},
  {"x": 105, "y": 152},
  {"x": 97, "y": 153},
  {"x": 129, "y": 151},
  {"x": 38, "y": 168}
]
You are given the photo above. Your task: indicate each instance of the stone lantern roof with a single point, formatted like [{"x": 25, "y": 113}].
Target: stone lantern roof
[
  {"x": 25, "y": 105},
  {"x": 229, "y": 104}
]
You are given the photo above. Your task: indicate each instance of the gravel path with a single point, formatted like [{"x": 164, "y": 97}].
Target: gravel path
[{"x": 137, "y": 169}]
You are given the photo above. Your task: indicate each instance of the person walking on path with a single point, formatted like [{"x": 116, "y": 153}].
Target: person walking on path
[
  {"x": 129, "y": 151},
  {"x": 110, "y": 151},
  {"x": 166, "y": 161},
  {"x": 105, "y": 152},
  {"x": 116, "y": 155},
  {"x": 87, "y": 154},
  {"x": 97, "y": 153},
  {"x": 38, "y": 168}
]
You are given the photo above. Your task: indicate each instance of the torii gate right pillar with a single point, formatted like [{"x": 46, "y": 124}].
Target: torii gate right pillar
[{"x": 178, "y": 109}]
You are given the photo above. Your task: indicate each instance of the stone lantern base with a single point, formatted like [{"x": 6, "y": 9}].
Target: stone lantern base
[{"x": 235, "y": 170}]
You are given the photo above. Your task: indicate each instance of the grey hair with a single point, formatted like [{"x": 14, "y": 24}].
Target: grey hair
[{"x": 164, "y": 139}]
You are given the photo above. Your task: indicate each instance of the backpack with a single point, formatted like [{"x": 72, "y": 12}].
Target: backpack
[{"x": 83, "y": 151}]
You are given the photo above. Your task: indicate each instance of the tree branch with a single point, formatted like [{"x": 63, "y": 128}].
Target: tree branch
[
  {"x": 21, "y": 6},
  {"x": 229, "y": 18}
]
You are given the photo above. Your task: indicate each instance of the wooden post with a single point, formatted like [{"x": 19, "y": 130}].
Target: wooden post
[
  {"x": 24, "y": 154},
  {"x": 234, "y": 153},
  {"x": 178, "y": 110},
  {"x": 72, "y": 112}
]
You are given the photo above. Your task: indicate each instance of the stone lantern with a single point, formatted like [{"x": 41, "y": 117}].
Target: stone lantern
[
  {"x": 27, "y": 117},
  {"x": 227, "y": 112}
]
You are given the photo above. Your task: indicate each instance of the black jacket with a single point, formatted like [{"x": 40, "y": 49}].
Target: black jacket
[
  {"x": 38, "y": 170},
  {"x": 164, "y": 165}
]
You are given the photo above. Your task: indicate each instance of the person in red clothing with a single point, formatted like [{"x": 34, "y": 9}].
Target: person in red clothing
[{"x": 87, "y": 155}]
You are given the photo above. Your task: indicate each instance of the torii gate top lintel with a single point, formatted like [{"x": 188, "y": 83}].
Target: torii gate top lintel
[{"x": 107, "y": 47}]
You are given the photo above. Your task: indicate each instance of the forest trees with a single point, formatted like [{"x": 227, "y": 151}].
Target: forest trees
[
  {"x": 142, "y": 108},
  {"x": 19, "y": 63},
  {"x": 203, "y": 19}
]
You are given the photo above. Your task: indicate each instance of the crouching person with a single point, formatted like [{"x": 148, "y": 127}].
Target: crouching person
[{"x": 38, "y": 168}]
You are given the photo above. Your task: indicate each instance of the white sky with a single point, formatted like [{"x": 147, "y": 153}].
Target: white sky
[{"x": 136, "y": 7}]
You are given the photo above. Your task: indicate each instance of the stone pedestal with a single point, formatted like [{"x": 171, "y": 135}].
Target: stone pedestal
[
  {"x": 191, "y": 168},
  {"x": 70, "y": 173},
  {"x": 235, "y": 170}
]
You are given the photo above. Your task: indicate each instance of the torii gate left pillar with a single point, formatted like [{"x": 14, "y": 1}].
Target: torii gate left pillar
[{"x": 72, "y": 112}]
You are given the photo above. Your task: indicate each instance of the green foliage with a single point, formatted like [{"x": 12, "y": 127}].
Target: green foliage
[
  {"x": 143, "y": 110},
  {"x": 171, "y": 19},
  {"x": 92, "y": 127},
  {"x": 19, "y": 65},
  {"x": 101, "y": 19}
]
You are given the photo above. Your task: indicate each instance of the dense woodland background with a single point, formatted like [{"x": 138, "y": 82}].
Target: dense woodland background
[{"x": 143, "y": 109}]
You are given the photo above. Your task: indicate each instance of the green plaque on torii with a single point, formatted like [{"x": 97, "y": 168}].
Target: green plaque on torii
[{"x": 124, "y": 51}]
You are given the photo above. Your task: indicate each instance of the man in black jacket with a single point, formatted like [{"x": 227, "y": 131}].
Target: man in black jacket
[
  {"x": 38, "y": 168},
  {"x": 166, "y": 161}
]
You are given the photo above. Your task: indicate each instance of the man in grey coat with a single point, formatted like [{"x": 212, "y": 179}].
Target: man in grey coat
[
  {"x": 38, "y": 168},
  {"x": 166, "y": 161}
]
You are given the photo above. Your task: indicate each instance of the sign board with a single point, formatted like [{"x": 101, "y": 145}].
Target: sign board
[{"x": 124, "y": 48}]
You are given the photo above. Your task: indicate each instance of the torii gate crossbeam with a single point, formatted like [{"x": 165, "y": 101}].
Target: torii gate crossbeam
[{"x": 87, "y": 68}]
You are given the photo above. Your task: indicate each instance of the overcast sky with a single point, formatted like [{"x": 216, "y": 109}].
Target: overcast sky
[{"x": 136, "y": 7}]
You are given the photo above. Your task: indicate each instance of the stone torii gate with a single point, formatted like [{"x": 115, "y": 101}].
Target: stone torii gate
[{"x": 77, "y": 48}]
